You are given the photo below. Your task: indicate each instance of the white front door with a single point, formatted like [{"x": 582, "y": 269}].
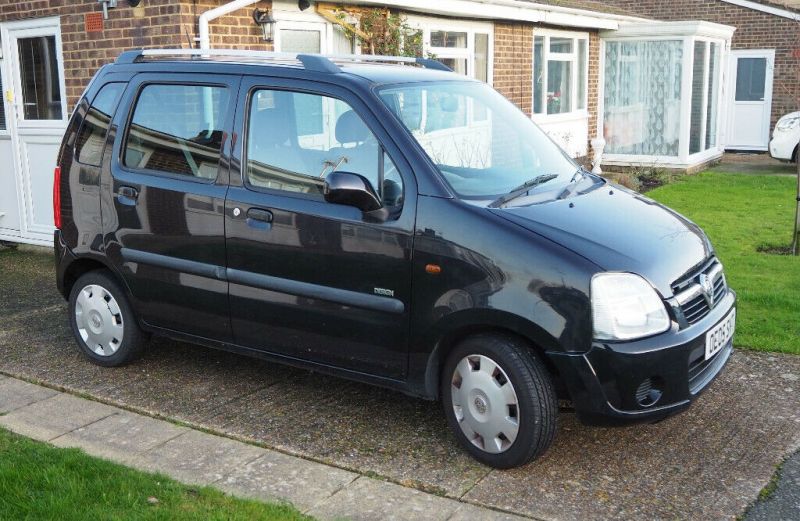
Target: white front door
[
  {"x": 751, "y": 99},
  {"x": 36, "y": 115}
]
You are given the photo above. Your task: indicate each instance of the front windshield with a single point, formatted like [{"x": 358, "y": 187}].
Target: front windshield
[{"x": 483, "y": 145}]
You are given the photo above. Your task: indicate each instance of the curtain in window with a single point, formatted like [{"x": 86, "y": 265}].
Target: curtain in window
[{"x": 642, "y": 97}]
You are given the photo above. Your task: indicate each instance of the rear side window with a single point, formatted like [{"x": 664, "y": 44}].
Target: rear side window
[
  {"x": 92, "y": 136},
  {"x": 177, "y": 129}
]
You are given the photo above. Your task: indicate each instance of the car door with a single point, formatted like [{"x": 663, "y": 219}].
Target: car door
[
  {"x": 164, "y": 199},
  {"x": 310, "y": 279}
]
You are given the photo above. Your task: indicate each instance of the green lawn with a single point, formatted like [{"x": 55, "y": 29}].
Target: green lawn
[
  {"x": 740, "y": 213},
  {"x": 38, "y": 481}
]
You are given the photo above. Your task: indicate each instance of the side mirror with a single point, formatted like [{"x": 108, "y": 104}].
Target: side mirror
[{"x": 354, "y": 190}]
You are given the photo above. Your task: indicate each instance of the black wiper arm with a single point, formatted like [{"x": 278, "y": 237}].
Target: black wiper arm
[{"x": 525, "y": 187}]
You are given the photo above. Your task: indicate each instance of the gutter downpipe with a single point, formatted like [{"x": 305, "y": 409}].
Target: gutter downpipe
[
  {"x": 213, "y": 14},
  {"x": 205, "y": 43}
]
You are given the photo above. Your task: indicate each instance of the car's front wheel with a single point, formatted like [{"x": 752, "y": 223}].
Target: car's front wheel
[
  {"x": 103, "y": 322},
  {"x": 499, "y": 400}
]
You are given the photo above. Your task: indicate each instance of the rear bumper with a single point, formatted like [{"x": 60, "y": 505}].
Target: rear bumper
[
  {"x": 63, "y": 258},
  {"x": 603, "y": 382}
]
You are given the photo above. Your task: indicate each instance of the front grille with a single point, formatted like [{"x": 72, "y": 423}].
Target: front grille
[{"x": 694, "y": 301}]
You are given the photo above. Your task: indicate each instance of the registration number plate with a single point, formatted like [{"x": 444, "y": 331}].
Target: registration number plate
[{"x": 719, "y": 335}]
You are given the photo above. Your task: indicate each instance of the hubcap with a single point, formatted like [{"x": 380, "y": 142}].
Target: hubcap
[
  {"x": 485, "y": 404},
  {"x": 99, "y": 320}
]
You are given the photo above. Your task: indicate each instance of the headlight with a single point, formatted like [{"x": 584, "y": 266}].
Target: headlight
[
  {"x": 788, "y": 123},
  {"x": 625, "y": 306}
]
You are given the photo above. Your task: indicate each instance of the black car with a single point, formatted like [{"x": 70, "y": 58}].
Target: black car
[{"x": 384, "y": 220}]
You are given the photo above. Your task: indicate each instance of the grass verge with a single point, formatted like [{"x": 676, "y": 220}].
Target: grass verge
[
  {"x": 38, "y": 481},
  {"x": 743, "y": 214}
]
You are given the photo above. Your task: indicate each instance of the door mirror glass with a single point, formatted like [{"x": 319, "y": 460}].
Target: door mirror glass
[{"x": 354, "y": 190}]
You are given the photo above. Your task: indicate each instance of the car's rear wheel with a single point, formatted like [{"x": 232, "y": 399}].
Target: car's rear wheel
[
  {"x": 499, "y": 400},
  {"x": 103, "y": 322}
]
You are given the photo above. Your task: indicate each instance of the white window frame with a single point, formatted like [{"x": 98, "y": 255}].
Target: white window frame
[
  {"x": 687, "y": 33},
  {"x": 429, "y": 25},
  {"x": 572, "y": 58}
]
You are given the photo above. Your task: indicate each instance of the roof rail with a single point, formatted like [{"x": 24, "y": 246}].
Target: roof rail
[{"x": 311, "y": 62}]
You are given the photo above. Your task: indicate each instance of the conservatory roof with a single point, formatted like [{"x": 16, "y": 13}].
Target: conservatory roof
[{"x": 663, "y": 29}]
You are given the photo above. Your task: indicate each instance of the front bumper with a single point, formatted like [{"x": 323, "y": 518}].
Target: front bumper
[{"x": 603, "y": 382}]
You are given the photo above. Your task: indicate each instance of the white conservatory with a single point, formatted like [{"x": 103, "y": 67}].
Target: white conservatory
[{"x": 663, "y": 94}]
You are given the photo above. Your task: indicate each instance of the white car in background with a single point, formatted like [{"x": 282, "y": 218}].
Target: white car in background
[{"x": 786, "y": 137}]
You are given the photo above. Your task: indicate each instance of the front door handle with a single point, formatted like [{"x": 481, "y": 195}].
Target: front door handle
[
  {"x": 127, "y": 195},
  {"x": 260, "y": 215}
]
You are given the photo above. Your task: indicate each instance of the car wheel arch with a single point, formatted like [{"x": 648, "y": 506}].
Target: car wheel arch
[{"x": 452, "y": 337}]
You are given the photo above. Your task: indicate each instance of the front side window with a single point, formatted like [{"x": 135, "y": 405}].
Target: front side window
[
  {"x": 177, "y": 129},
  {"x": 481, "y": 158},
  {"x": 295, "y": 139},
  {"x": 559, "y": 73}
]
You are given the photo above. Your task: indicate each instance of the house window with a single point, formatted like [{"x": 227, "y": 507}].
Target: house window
[
  {"x": 463, "y": 47},
  {"x": 560, "y": 62}
]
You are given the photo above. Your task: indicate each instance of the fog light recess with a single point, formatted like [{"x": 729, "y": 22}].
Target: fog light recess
[{"x": 649, "y": 391}]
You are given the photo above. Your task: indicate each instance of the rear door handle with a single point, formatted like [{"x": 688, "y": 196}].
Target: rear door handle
[
  {"x": 127, "y": 195},
  {"x": 259, "y": 218},
  {"x": 258, "y": 214}
]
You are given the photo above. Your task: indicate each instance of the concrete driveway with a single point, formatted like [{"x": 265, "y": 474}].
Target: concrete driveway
[{"x": 708, "y": 463}]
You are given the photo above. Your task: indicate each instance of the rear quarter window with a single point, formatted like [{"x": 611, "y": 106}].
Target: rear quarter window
[{"x": 91, "y": 138}]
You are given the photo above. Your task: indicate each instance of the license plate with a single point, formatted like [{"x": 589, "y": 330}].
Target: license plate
[{"x": 719, "y": 335}]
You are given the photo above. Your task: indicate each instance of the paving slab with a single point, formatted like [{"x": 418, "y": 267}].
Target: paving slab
[
  {"x": 709, "y": 462},
  {"x": 467, "y": 512},
  {"x": 368, "y": 499},
  {"x": 27, "y": 282},
  {"x": 16, "y": 393},
  {"x": 122, "y": 437},
  {"x": 356, "y": 426},
  {"x": 198, "y": 458},
  {"x": 275, "y": 476},
  {"x": 55, "y": 416}
]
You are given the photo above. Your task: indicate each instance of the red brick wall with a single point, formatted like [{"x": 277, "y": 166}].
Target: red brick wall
[
  {"x": 513, "y": 63},
  {"x": 754, "y": 30},
  {"x": 153, "y": 24},
  {"x": 236, "y": 30},
  {"x": 594, "y": 84}
]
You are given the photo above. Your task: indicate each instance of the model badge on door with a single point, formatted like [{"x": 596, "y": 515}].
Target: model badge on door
[{"x": 384, "y": 292}]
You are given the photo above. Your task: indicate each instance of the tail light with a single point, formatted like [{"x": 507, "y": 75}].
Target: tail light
[{"x": 57, "y": 197}]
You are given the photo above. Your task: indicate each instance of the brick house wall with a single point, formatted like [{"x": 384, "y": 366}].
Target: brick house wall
[
  {"x": 754, "y": 30},
  {"x": 513, "y": 63},
  {"x": 170, "y": 23}
]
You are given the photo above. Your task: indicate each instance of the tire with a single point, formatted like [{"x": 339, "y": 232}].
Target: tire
[
  {"x": 492, "y": 363},
  {"x": 103, "y": 322}
]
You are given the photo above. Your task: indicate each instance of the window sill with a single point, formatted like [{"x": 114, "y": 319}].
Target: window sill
[{"x": 557, "y": 118}]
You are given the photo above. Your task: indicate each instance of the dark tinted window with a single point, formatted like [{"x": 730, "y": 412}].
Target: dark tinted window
[
  {"x": 92, "y": 136},
  {"x": 296, "y": 139},
  {"x": 177, "y": 129}
]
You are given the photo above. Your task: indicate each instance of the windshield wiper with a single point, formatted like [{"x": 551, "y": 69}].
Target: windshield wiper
[{"x": 525, "y": 187}]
